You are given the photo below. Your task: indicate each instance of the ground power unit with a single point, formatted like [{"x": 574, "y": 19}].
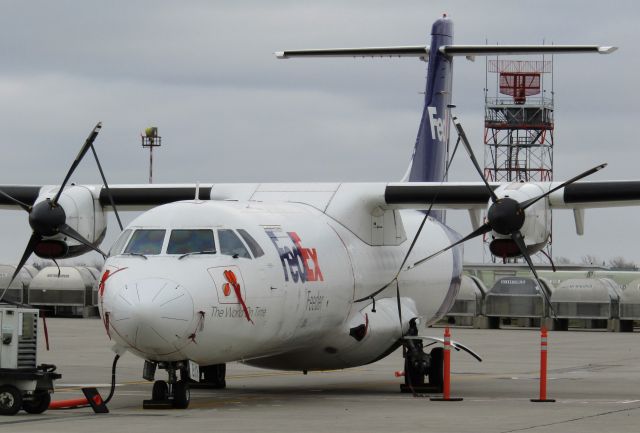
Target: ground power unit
[{"x": 23, "y": 383}]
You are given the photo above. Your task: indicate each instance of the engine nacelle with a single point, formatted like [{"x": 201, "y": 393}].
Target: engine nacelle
[
  {"x": 536, "y": 229},
  {"x": 83, "y": 213}
]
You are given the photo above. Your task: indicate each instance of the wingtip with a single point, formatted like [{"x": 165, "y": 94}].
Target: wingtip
[
  {"x": 607, "y": 50},
  {"x": 280, "y": 55}
]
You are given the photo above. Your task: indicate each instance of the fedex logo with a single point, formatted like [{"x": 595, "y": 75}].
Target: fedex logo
[
  {"x": 300, "y": 262},
  {"x": 436, "y": 123}
]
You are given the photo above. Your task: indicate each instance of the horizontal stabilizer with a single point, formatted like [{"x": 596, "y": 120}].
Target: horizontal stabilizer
[
  {"x": 502, "y": 50},
  {"x": 420, "y": 51}
]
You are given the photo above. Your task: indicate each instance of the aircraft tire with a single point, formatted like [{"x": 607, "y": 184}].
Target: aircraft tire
[
  {"x": 413, "y": 374},
  {"x": 181, "y": 395},
  {"x": 435, "y": 372},
  {"x": 160, "y": 391}
]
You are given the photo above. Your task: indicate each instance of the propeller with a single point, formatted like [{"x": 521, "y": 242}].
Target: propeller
[
  {"x": 506, "y": 216},
  {"x": 47, "y": 218}
]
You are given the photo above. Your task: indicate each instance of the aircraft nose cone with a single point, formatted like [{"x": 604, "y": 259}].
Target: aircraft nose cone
[{"x": 154, "y": 316}]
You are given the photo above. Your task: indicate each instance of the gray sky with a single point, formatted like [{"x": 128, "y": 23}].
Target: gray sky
[{"x": 228, "y": 111}]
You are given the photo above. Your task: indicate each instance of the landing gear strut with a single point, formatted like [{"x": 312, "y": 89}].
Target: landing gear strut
[
  {"x": 419, "y": 366},
  {"x": 172, "y": 393}
]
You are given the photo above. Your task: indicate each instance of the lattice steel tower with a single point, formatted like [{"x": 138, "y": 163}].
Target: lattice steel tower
[{"x": 518, "y": 121}]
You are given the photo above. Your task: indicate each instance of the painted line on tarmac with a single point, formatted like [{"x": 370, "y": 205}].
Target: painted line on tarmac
[{"x": 571, "y": 420}]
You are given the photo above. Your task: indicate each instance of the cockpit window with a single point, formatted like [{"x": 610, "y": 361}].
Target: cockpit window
[
  {"x": 230, "y": 244},
  {"x": 253, "y": 245},
  {"x": 118, "y": 245},
  {"x": 145, "y": 242},
  {"x": 191, "y": 241}
]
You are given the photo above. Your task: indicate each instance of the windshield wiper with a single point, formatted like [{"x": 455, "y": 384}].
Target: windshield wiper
[
  {"x": 136, "y": 254},
  {"x": 193, "y": 253}
]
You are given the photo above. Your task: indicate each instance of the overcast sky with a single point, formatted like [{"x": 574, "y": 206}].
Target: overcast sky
[{"x": 229, "y": 111}]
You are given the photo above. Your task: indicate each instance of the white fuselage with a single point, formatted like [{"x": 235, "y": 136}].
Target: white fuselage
[{"x": 299, "y": 294}]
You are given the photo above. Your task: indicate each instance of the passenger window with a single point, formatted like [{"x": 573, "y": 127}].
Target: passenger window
[
  {"x": 230, "y": 244},
  {"x": 253, "y": 245},
  {"x": 118, "y": 245},
  {"x": 191, "y": 241},
  {"x": 145, "y": 242}
]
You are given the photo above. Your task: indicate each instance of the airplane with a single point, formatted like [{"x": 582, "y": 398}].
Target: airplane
[{"x": 301, "y": 276}]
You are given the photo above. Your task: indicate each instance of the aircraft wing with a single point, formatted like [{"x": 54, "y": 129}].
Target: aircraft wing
[
  {"x": 399, "y": 195},
  {"x": 419, "y": 195},
  {"x": 474, "y": 195},
  {"x": 26, "y": 194},
  {"x": 127, "y": 197},
  {"x": 582, "y": 195},
  {"x": 145, "y": 196}
]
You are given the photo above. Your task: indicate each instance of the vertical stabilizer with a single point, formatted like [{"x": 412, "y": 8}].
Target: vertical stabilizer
[{"x": 430, "y": 152}]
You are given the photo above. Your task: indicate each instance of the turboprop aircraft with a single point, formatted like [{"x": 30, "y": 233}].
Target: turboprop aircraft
[{"x": 300, "y": 276}]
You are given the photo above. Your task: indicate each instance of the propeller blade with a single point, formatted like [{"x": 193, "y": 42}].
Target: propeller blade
[
  {"x": 16, "y": 201},
  {"x": 68, "y": 231},
  {"x": 467, "y": 146},
  {"x": 519, "y": 240},
  {"x": 589, "y": 172},
  {"x": 31, "y": 246},
  {"x": 106, "y": 185},
  {"x": 479, "y": 231},
  {"x": 83, "y": 150}
]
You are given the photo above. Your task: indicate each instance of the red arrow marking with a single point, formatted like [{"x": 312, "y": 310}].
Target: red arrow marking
[{"x": 233, "y": 281}]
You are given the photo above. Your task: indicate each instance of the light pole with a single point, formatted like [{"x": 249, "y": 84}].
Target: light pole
[{"x": 151, "y": 139}]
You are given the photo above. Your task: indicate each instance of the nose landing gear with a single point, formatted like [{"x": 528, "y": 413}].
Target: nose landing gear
[{"x": 172, "y": 393}]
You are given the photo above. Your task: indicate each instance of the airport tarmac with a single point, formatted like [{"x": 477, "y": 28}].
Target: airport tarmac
[{"x": 594, "y": 375}]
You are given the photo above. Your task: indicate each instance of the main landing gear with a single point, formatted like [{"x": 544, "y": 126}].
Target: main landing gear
[
  {"x": 176, "y": 393},
  {"x": 419, "y": 366}
]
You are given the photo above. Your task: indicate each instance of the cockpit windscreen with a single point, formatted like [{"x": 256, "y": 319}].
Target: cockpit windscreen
[
  {"x": 145, "y": 242},
  {"x": 191, "y": 241}
]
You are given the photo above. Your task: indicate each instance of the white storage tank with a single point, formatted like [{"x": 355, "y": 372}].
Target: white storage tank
[
  {"x": 630, "y": 301},
  {"x": 594, "y": 300},
  {"x": 516, "y": 297},
  {"x": 586, "y": 298},
  {"x": 19, "y": 287},
  {"x": 630, "y": 305},
  {"x": 468, "y": 303},
  {"x": 69, "y": 290}
]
